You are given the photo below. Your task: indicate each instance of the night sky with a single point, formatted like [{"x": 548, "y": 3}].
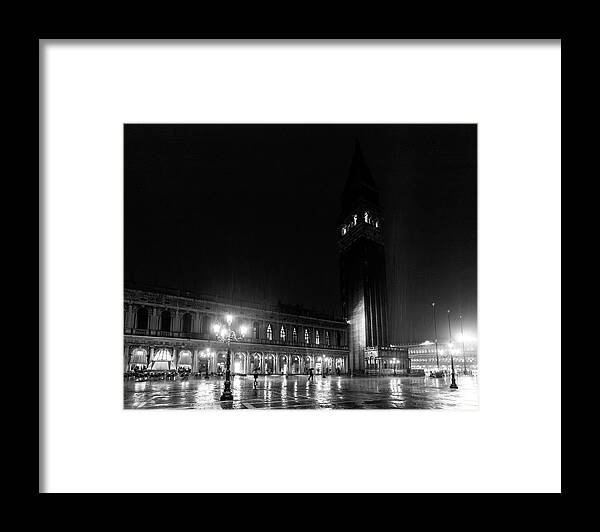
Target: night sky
[{"x": 249, "y": 212}]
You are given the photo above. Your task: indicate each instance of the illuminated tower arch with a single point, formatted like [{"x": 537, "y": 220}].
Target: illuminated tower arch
[{"x": 362, "y": 262}]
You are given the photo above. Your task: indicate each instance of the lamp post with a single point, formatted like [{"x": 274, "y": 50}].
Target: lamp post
[
  {"x": 437, "y": 359},
  {"x": 450, "y": 345},
  {"x": 453, "y": 384},
  {"x": 462, "y": 336},
  {"x": 226, "y": 334}
]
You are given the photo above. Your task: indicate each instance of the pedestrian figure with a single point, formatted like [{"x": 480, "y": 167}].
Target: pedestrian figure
[
  {"x": 255, "y": 378},
  {"x": 310, "y": 375}
]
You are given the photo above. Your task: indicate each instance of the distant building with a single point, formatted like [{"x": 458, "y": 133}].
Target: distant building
[{"x": 423, "y": 356}]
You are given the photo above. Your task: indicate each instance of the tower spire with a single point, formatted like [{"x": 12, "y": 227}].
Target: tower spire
[{"x": 360, "y": 185}]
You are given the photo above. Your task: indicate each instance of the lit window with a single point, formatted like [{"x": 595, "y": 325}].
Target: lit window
[
  {"x": 326, "y": 337},
  {"x": 294, "y": 334},
  {"x": 343, "y": 230},
  {"x": 317, "y": 339},
  {"x": 306, "y": 336},
  {"x": 355, "y": 218},
  {"x": 282, "y": 333},
  {"x": 366, "y": 217},
  {"x": 269, "y": 332}
]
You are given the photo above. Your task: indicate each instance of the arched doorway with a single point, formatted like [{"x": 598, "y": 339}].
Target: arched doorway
[
  {"x": 138, "y": 359},
  {"x": 221, "y": 363},
  {"x": 162, "y": 360},
  {"x": 255, "y": 363},
  {"x": 238, "y": 366},
  {"x": 269, "y": 363},
  {"x": 294, "y": 364},
  {"x": 307, "y": 364},
  {"x": 185, "y": 359},
  {"x": 284, "y": 366}
]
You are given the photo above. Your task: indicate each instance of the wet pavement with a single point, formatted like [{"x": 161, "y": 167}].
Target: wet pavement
[{"x": 297, "y": 392}]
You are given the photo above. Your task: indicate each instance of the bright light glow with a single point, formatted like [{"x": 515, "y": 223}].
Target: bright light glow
[
  {"x": 243, "y": 330},
  {"x": 223, "y": 332},
  {"x": 216, "y": 328},
  {"x": 467, "y": 338},
  {"x": 229, "y": 319}
]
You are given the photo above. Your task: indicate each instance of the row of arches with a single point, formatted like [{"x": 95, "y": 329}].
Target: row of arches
[{"x": 169, "y": 359}]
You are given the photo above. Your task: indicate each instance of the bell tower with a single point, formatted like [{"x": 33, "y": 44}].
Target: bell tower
[{"x": 362, "y": 263}]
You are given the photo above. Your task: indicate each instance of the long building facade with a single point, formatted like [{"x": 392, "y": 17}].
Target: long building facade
[
  {"x": 425, "y": 356},
  {"x": 169, "y": 330}
]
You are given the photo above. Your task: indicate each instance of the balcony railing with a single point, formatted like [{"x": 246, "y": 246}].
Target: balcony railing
[{"x": 207, "y": 336}]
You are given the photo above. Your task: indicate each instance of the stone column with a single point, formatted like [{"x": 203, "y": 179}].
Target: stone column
[
  {"x": 175, "y": 357},
  {"x": 150, "y": 355},
  {"x": 126, "y": 358}
]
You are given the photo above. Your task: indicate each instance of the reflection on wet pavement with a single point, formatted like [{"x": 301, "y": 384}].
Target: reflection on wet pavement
[{"x": 296, "y": 392}]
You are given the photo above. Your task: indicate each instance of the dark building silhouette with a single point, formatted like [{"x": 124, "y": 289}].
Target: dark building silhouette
[{"x": 362, "y": 264}]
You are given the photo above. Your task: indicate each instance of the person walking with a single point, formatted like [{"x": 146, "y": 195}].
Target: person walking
[
  {"x": 311, "y": 375},
  {"x": 255, "y": 378}
]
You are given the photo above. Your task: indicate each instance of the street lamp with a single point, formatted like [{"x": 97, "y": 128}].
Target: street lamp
[
  {"x": 462, "y": 336},
  {"x": 226, "y": 334},
  {"x": 453, "y": 384},
  {"x": 437, "y": 359},
  {"x": 450, "y": 345}
]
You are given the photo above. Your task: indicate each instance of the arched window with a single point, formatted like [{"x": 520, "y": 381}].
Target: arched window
[
  {"x": 142, "y": 318},
  {"x": 294, "y": 335},
  {"x": 282, "y": 333},
  {"x": 317, "y": 338},
  {"x": 338, "y": 338},
  {"x": 269, "y": 332},
  {"x": 165, "y": 321},
  {"x": 186, "y": 323},
  {"x": 326, "y": 337},
  {"x": 306, "y": 336},
  {"x": 255, "y": 330}
]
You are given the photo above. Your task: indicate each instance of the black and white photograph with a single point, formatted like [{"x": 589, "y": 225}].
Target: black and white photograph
[{"x": 300, "y": 266}]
